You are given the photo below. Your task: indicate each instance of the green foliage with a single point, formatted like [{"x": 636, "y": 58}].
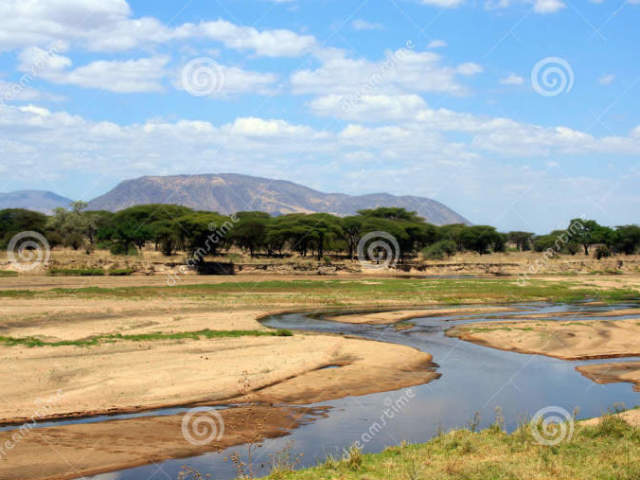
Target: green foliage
[
  {"x": 142, "y": 337},
  {"x": 627, "y": 239},
  {"x": 121, "y": 272},
  {"x": 16, "y": 220},
  {"x": 522, "y": 240},
  {"x": 440, "y": 250},
  {"x": 76, "y": 272},
  {"x": 482, "y": 239}
]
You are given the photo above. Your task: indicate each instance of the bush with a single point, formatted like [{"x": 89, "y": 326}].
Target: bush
[
  {"x": 440, "y": 250},
  {"x": 603, "y": 252},
  {"x": 120, "y": 249},
  {"x": 121, "y": 272},
  {"x": 76, "y": 272}
]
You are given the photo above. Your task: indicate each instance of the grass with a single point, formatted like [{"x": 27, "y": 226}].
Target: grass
[
  {"x": 608, "y": 451},
  {"x": 143, "y": 337},
  {"x": 8, "y": 273},
  {"x": 334, "y": 292},
  {"x": 76, "y": 272}
]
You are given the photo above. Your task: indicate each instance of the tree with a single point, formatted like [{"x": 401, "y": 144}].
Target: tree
[
  {"x": 586, "y": 233},
  {"x": 627, "y": 239},
  {"x": 352, "y": 233},
  {"x": 250, "y": 232},
  {"x": 205, "y": 233},
  {"x": 16, "y": 220},
  {"x": 482, "y": 239},
  {"x": 522, "y": 240}
]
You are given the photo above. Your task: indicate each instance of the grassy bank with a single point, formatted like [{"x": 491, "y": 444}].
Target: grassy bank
[
  {"x": 338, "y": 292},
  {"x": 608, "y": 451},
  {"x": 143, "y": 337}
]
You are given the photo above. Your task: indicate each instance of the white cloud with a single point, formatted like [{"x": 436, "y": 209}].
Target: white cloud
[
  {"x": 141, "y": 75},
  {"x": 606, "y": 79},
  {"x": 360, "y": 24},
  {"x": 437, "y": 44},
  {"x": 401, "y": 71},
  {"x": 548, "y": 6},
  {"x": 108, "y": 25},
  {"x": 539, "y": 6},
  {"x": 443, "y": 3},
  {"x": 512, "y": 79},
  {"x": 377, "y": 108}
]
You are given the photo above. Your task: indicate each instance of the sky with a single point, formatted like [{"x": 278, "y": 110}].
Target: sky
[{"x": 521, "y": 114}]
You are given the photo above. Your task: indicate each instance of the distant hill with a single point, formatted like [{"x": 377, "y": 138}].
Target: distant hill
[
  {"x": 229, "y": 193},
  {"x": 37, "y": 200}
]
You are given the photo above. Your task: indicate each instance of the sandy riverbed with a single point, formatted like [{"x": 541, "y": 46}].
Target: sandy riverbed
[
  {"x": 394, "y": 316},
  {"x": 570, "y": 340}
]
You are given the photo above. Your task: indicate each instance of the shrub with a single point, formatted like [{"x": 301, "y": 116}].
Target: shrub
[
  {"x": 120, "y": 272},
  {"x": 76, "y": 272},
  {"x": 120, "y": 249},
  {"x": 440, "y": 250},
  {"x": 603, "y": 252}
]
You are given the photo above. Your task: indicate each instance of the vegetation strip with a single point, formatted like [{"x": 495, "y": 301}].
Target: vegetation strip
[
  {"x": 142, "y": 337},
  {"x": 343, "y": 292},
  {"x": 608, "y": 450}
]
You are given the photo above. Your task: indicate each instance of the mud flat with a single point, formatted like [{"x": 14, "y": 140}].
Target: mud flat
[
  {"x": 570, "y": 340},
  {"x": 604, "y": 373},
  {"x": 73, "y": 451}
]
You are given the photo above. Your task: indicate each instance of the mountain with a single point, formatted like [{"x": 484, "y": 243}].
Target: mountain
[
  {"x": 37, "y": 200},
  {"x": 229, "y": 193}
]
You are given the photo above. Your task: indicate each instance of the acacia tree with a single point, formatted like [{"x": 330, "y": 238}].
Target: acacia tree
[{"x": 250, "y": 232}]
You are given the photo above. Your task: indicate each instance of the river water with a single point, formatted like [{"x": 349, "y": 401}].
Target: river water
[{"x": 473, "y": 379}]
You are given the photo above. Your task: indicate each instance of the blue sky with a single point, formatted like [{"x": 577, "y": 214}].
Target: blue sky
[{"x": 517, "y": 113}]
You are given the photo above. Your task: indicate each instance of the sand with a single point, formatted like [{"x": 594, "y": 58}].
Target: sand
[
  {"x": 388, "y": 317},
  {"x": 604, "y": 373},
  {"x": 74, "y": 451},
  {"x": 571, "y": 340}
]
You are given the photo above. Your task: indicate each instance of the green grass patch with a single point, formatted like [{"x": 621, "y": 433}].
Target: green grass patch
[
  {"x": 143, "y": 337},
  {"x": 338, "y": 293},
  {"x": 8, "y": 273},
  {"x": 605, "y": 452},
  {"x": 76, "y": 272}
]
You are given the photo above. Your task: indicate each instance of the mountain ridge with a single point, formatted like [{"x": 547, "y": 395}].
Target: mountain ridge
[
  {"x": 227, "y": 193},
  {"x": 42, "y": 201}
]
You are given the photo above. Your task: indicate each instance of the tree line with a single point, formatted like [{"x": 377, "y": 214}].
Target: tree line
[{"x": 172, "y": 229}]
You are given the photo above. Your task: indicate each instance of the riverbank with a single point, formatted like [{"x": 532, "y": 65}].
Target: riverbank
[{"x": 602, "y": 449}]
